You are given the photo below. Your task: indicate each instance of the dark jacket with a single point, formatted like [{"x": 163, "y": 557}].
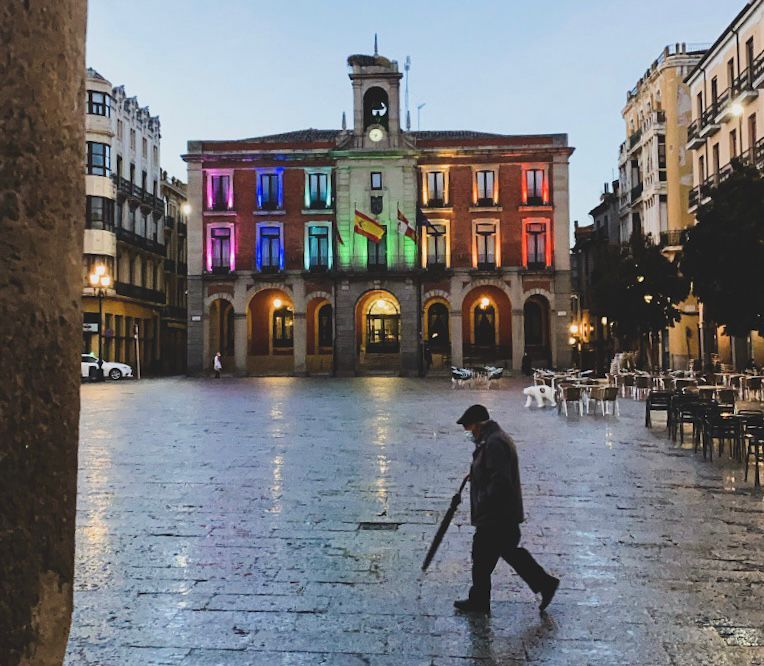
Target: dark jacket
[{"x": 496, "y": 498}]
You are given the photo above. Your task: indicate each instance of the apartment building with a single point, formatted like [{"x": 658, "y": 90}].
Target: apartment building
[{"x": 727, "y": 109}]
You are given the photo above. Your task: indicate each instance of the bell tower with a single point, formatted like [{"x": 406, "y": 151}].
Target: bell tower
[{"x": 376, "y": 102}]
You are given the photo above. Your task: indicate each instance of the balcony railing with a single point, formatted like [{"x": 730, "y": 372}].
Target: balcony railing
[
  {"x": 672, "y": 238},
  {"x": 182, "y": 228},
  {"x": 220, "y": 270},
  {"x": 636, "y": 191},
  {"x": 634, "y": 138},
  {"x": 758, "y": 67},
  {"x": 139, "y": 241},
  {"x": 140, "y": 293},
  {"x": 169, "y": 221},
  {"x": 174, "y": 312},
  {"x": 486, "y": 266},
  {"x": 536, "y": 201},
  {"x": 435, "y": 203}
]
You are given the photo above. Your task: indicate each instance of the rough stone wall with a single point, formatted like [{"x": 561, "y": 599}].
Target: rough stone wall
[{"x": 42, "y": 190}]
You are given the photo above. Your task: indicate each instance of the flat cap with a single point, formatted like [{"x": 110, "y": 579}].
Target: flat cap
[{"x": 474, "y": 414}]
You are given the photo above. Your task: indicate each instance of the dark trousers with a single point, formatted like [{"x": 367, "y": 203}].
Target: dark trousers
[{"x": 491, "y": 543}]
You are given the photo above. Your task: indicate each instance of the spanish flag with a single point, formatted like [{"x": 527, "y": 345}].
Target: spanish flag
[{"x": 368, "y": 227}]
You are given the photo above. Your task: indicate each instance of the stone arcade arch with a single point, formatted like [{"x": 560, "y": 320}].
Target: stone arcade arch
[
  {"x": 537, "y": 330},
  {"x": 319, "y": 315},
  {"x": 220, "y": 325},
  {"x": 378, "y": 332},
  {"x": 487, "y": 326},
  {"x": 270, "y": 332}
]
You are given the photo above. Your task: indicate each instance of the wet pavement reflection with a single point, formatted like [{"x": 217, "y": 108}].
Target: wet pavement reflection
[{"x": 284, "y": 521}]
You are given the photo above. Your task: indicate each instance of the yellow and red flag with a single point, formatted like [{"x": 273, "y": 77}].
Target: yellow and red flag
[{"x": 368, "y": 227}]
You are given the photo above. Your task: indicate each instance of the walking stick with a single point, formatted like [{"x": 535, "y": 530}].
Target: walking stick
[{"x": 455, "y": 501}]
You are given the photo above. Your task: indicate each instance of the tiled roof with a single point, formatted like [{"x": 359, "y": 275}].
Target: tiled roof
[
  {"x": 454, "y": 134},
  {"x": 309, "y": 135}
]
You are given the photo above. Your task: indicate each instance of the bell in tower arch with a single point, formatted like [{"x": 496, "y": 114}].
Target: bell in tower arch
[{"x": 376, "y": 108}]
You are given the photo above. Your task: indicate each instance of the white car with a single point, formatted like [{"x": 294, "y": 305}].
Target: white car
[{"x": 110, "y": 370}]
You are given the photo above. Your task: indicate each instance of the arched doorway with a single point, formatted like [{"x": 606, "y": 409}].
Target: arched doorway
[
  {"x": 536, "y": 325},
  {"x": 378, "y": 332},
  {"x": 270, "y": 333},
  {"x": 221, "y": 332},
  {"x": 436, "y": 331},
  {"x": 487, "y": 327},
  {"x": 320, "y": 336}
]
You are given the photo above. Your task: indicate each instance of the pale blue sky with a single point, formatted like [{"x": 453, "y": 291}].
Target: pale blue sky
[{"x": 238, "y": 68}]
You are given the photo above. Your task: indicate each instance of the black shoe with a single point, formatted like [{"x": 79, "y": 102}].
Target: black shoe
[
  {"x": 547, "y": 594},
  {"x": 469, "y": 606}
]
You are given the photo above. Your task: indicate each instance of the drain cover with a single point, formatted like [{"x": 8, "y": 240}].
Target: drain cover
[{"x": 390, "y": 527}]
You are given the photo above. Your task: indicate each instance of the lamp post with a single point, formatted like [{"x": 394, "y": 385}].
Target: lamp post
[{"x": 100, "y": 281}]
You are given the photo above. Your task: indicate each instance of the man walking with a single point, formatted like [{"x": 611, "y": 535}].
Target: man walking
[
  {"x": 217, "y": 365},
  {"x": 496, "y": 506}
]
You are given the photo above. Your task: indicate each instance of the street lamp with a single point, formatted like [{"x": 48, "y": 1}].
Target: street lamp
[
  {"x": 100, "y": 281},
  {"x": 648, "y": 298},
  {"x": 186, "y": 208}
]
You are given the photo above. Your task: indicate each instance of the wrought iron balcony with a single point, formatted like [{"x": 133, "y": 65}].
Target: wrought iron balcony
[
  {"x": 636, "y": 192},
  {"x": 139, "y": 293},
  {"x": 142, "y": 242},
  {"x": 673, "y": 238},
  {"x": 169, "y": 221}
]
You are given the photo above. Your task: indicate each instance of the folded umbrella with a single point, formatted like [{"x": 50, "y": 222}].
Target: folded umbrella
[{"x": 455, "y": 501}]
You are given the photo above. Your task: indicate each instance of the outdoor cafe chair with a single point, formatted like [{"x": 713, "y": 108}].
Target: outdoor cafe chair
[
  {"x": 602, "y": 395},
  {"x": 642, "y": 386},
  {"x": 571, "y": 394},
  {"x": 627, "y": 385},
  {"x": 657, "y": 401},
  {"x": 754, "y": 437},
  {"x": 717, "y": 427},
  {"x": 753, "y": 388},
  {"x": 726, "y": 399}
]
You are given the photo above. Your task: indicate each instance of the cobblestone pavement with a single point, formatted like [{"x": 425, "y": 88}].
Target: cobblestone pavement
[{"x": 221, "y": 522}]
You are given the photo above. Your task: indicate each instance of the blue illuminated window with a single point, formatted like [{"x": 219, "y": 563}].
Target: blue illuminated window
[
  {"x": 269, "y": 191},
  {"x": 270, "y": 254},
  {"x": 318, "y": 187}
]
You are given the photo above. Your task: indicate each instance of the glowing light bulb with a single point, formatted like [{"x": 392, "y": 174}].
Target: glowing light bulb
[
  {"x": 737, "y": 109},
  {"x": 484, "y": 302},
  {"x": 574, "y": 328},
  {"x": 277, "y": 303},
  {"x": 648, "y": 298}
]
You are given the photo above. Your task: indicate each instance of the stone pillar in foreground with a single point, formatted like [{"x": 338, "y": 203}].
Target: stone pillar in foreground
[{"x": 42, "y": 194}]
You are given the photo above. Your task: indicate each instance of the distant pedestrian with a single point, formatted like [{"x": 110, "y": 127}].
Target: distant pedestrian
[
  {"x": 496, "y": 506},
  {"x": 217, "y": 364},
  {"x": 526, "y": 365}
]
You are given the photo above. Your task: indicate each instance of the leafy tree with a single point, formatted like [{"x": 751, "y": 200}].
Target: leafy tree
[
  {"x": 638, "y": 289},
  {"x": 723, "y": 253}
]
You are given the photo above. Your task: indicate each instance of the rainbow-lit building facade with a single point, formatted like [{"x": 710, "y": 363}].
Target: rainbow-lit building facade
[{"x": 281, "y": 282}]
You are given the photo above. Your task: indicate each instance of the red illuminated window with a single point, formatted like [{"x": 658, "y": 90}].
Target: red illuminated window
[{"x": 537, "y": 252}]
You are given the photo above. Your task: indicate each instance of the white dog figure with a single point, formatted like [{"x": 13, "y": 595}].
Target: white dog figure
[{"x": 542, "y": 395}]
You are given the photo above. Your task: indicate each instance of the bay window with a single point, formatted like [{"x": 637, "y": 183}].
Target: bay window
[
  {"x": 98, "y": 159},
  {"x": 99, "y": 213},
  {"x": 99, "y": 103}
]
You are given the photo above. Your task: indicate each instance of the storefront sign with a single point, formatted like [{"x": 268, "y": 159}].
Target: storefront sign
[{"x": 89, "y": 328}]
